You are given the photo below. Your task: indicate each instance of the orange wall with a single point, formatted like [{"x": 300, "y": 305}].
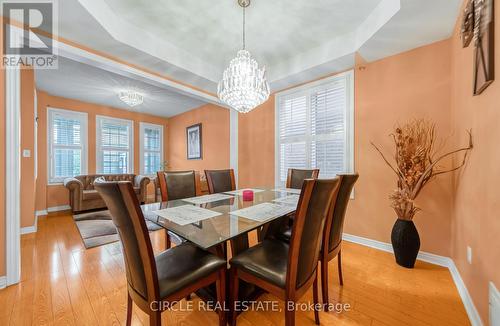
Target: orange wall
[
  {"x": 409, "y": 85},
  {"x": 414, "y": 84},
  {"x": 28, "y": 143},
  {"x": 476, "y": 221},
  {"x": 256, "y": 146},
  {"x": 57, "y": 195},
  {"x": 215, "y": 139}
]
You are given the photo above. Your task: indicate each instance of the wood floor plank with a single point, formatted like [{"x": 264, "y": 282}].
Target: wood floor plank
[{"x": 62, "y": 283}]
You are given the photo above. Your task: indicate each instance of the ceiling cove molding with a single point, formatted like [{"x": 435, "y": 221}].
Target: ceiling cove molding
[
  {"x": 74, "y": 51},
  {"x": 323, "y": 55},
  {"x": 86, "y": 57},
  {"x": 134, "y": 36},
  {"x": 340, "y": 46}
]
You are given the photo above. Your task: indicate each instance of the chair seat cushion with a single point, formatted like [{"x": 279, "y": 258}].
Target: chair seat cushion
[
  {"x": 286, "y": 235},
  {"x": 267, "y": 260},
  {"x": 183, "y": 265}
]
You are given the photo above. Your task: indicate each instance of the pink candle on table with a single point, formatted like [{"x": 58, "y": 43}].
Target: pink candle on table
[{"x": 247, "y": 195}]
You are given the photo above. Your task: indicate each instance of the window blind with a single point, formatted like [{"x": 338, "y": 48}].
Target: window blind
[
  {"x": 314, "y": 128},
  {"x": 151, "y": 148},
  {"x": 67, "y": 144},
  {"x": 114, "y": 145}
]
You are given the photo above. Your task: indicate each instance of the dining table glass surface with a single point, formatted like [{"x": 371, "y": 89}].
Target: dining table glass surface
[{"x": 216, "y": 230}]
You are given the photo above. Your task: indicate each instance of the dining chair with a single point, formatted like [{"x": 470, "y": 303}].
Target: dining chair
[
  {"x": 155, "y": 283},
  {"x": 288, "y": 270},
  {"x": 220, "y": 180},
  {"x": 332, "y": 236},
  {"x": 177, "y": 185},
  {"x": 296, "y": 177}
]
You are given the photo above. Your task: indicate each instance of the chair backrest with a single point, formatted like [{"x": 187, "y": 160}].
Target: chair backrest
[
  {"x": 220, "y": 180},
  {"x": 333, "y": 230},
  {"x": 315, "y": 203},
  {"x": 296, "y": 177},
  {"x": 129, "y": 221},
  {"x": 178, "y": 184}
]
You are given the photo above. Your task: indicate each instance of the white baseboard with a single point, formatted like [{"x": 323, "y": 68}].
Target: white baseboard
[
  {"x": 58, "y": 208},
  {"x": 447, "y": 262},
  {"x": 29, "y": 229},
  {"x": 3, "y": 282},
  {"x": 33, "y": 228},
  {"x": 43, "y": 212}
]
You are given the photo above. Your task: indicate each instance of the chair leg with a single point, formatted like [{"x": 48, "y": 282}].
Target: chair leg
[
  {"x": 289, "y": 315},
  {"x": 155, "y": 318},
  {"x": 168, "y": 244},
  {"x": 339, "y": 261},
  {"x": 221, "y": 296},
  {"x": 324, "y": 280},
  {"x": 315, "y": 299},
  {"x": 129, "y": 310},
  {"x": 234, "y": 295}
]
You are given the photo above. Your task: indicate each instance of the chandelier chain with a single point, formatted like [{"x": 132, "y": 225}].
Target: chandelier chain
[{"x": 244, "y": 36}]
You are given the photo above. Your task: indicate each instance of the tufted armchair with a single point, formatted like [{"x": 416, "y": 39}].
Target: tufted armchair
[{"x": 83, "y": 196}]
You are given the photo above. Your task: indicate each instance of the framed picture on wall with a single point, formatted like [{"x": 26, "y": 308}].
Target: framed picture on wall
[
  {"x": 193, "y": 141},
  {"x": 484, "y": 53}
]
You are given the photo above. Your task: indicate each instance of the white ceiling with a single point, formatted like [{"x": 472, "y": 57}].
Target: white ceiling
[
  {"x": 297, "y": 40},
  {"x": 90, "y": 84}
]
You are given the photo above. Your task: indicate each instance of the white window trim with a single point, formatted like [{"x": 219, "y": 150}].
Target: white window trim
[
  {"x": 130, "y": 123},
  {"x": 142, "y": 127},
  {"x": 83, "y": 116},
  {"x": 307, "y": 88}
]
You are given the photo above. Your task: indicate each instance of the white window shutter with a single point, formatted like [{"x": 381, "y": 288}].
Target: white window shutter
[{"x": 314, "y": 128}]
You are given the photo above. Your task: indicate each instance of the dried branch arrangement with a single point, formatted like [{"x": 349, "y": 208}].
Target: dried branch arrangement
[{"x": 416, "y": 163}]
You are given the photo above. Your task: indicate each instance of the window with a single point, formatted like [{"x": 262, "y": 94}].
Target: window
[
  {"x": 151, "y": 142},
  {"x": 67, "y": 138},
  {"x": 314, "y": 127},
  {"x": 114, "y": 145}
]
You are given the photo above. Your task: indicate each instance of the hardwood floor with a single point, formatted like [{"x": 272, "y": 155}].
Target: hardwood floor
[{"x": 64, "y": 284}]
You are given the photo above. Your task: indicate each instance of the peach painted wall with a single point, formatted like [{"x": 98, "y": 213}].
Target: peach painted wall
[
  {"x": 414, "y": 84},
  {"x": 56, "y": 195},
  {"x": 476, "y": 221},
  {"x": 410, "y": 85},
  {"x": 28, "y": 143},
  {"x": 215, "y": 138},
  {"x": 256, "y": 146}
]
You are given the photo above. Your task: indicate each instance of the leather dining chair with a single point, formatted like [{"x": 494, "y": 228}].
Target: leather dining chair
[
  {"x": 177, "y": 185},
  {"x": 156, "y": 282},
  {"x": 288, "y": 270},
  {"x": 296, "y": 177},
  {"x": 332, "y": 236},
  {"x": 220, "y": 180}
]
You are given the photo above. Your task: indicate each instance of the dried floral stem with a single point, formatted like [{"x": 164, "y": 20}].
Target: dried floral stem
[{"x": 416, "y": 163}]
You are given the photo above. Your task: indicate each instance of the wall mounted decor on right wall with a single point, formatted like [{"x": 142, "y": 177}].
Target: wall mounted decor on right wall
[{"x": 479, "y": 16}]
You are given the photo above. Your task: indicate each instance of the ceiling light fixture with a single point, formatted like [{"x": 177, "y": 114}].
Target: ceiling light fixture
[
  {"x": 243, "y": 86},
  {"x": 131, "y": 98}
]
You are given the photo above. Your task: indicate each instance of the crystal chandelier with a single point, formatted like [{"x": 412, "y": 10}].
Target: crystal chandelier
[
  {"x": 131, "y": 98},
  {"x": 243, "y": 86}
]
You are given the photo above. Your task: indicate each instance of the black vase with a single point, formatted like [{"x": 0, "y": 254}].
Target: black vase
[{"x": 405, "y": 242}]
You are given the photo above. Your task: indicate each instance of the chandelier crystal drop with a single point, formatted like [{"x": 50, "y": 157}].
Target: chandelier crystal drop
[
  {"x": 131, "y": 98},
  {"x": 243, "y": 86}
]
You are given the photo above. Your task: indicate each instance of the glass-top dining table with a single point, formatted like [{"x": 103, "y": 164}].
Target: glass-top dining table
[
  {"x": 217, "y": 230},
  {"x": 216, "y": 233}
]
